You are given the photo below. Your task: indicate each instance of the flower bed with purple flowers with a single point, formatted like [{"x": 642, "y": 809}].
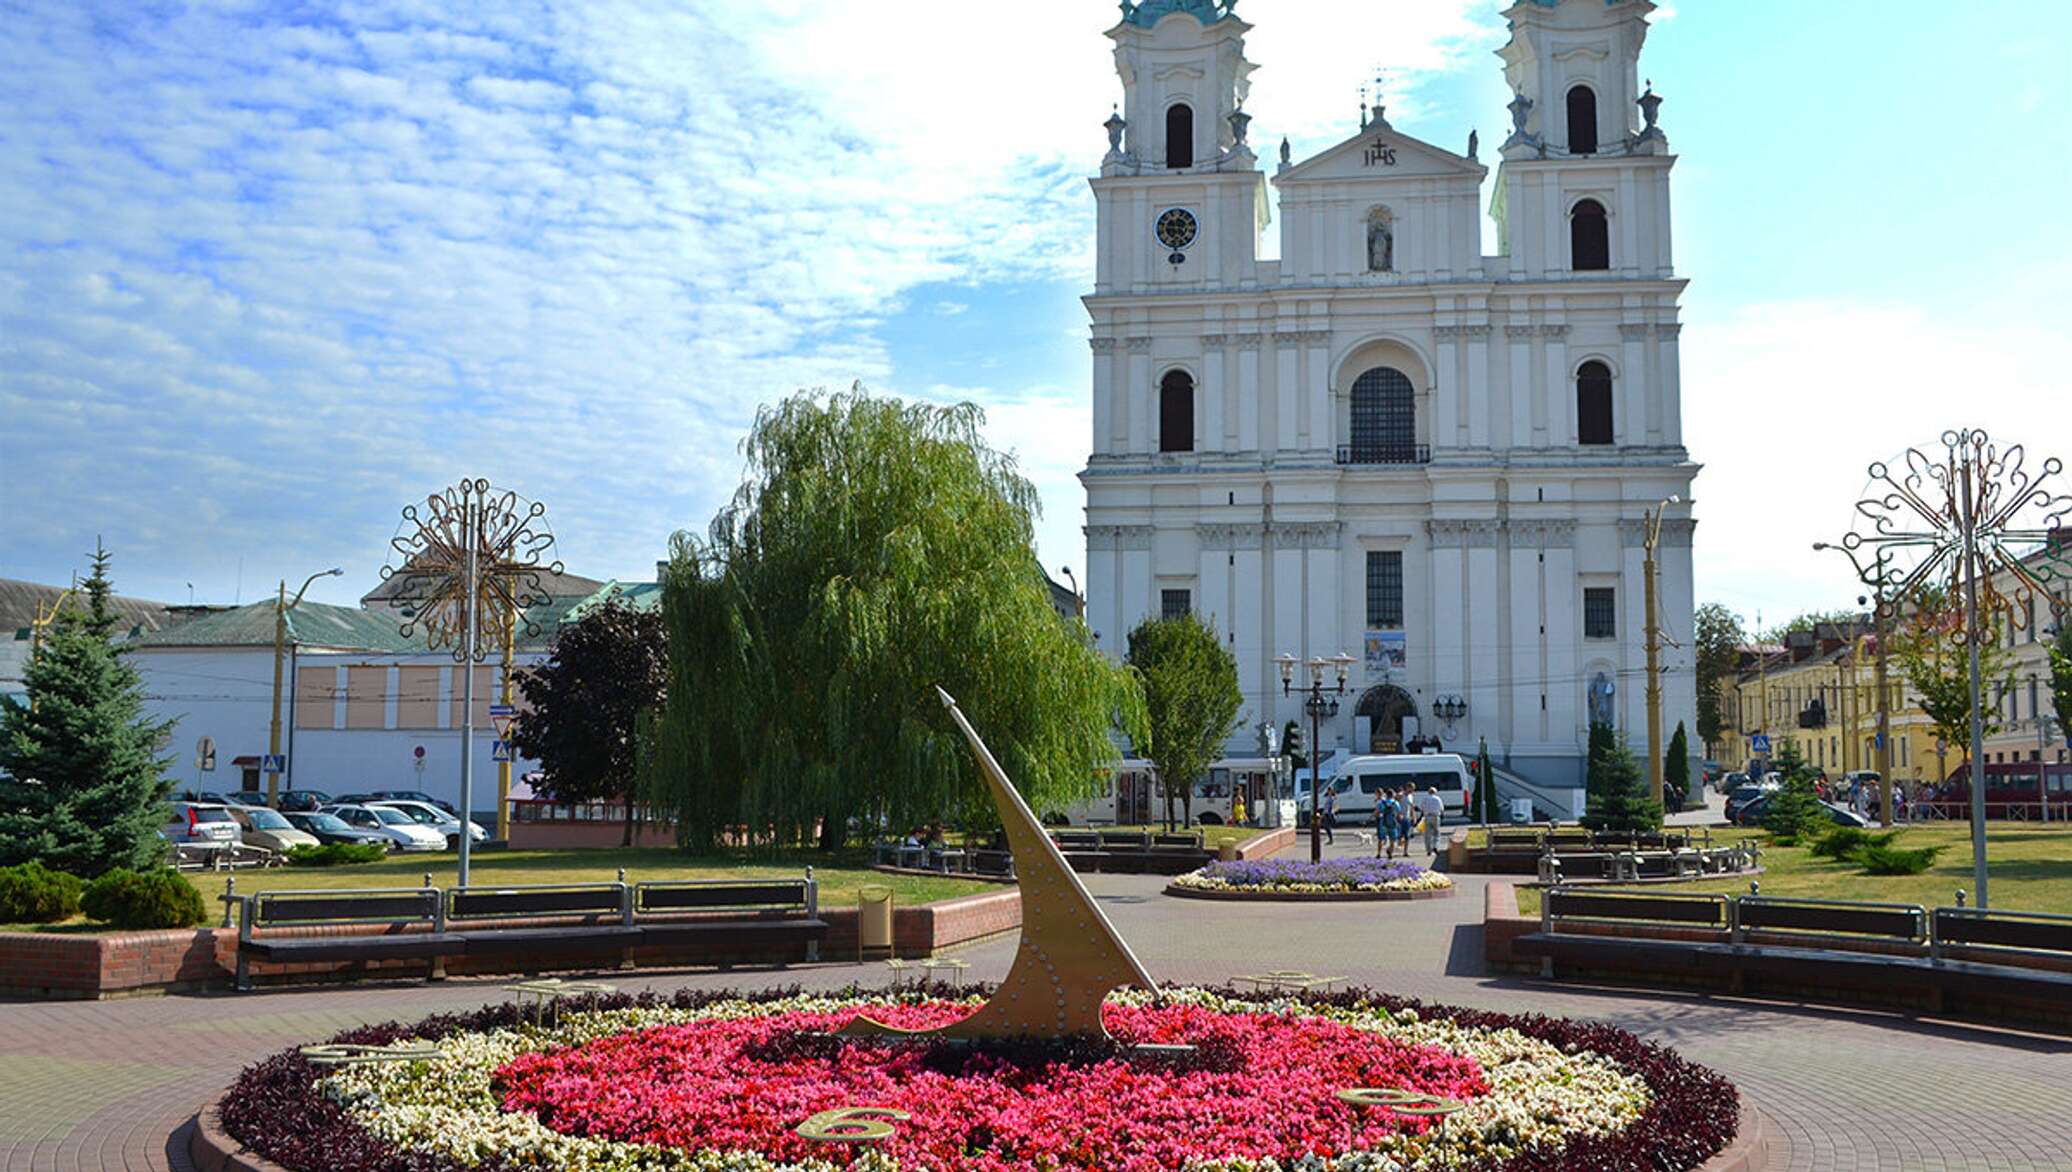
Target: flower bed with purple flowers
[
  {"x": 731, "y": 1082},
  {"x": 1299, "y": 879}
]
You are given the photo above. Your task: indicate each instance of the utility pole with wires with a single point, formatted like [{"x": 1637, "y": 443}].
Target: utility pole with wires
[{"x": 1655, "y": 641}]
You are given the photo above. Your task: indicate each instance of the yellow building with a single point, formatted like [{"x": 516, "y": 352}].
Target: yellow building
[{"x": 1818, "y": 691}]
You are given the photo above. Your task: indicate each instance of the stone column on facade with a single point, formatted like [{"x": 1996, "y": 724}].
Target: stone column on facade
[
  {"x": 1104, "y": 422},
  {"x": 1627, "y": 218},
  {"x": 1287, "y": 391},
  {"x": 1139, "y": 393},
  {"x": 1559, "y": 396},
  {"x": 1448, "y": 421},
  {"x": 1565, "y": 688},
  {"x": 1478, "y": 402},
  {"x": 1528, "y": 660},
  {"x": 1519, "y": 384},
  {"x": 1483, "y": 607},
  {"x": 1451, "y": 628},
  {"x": 1318, "y": 363},
  {"x": 1634, "y": 386},
  {"x": 1669, "y": 398},
  {"x": 1246, "y": 394},
  {"x": 1211, "y": 426}
]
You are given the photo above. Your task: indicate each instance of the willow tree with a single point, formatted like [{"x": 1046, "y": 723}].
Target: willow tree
[{"x": 875, "y": 550}]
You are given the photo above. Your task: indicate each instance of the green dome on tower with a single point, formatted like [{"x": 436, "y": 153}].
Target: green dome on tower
[{"x": 1149, "y": 12}]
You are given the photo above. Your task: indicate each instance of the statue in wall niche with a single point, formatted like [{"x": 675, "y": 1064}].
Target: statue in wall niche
[
  {"x": 1601, "y": 690},
  {"x": 1381, "y": 241}
]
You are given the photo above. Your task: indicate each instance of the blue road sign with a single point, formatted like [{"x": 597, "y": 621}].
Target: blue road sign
[
  {"x": 502, "y": 710},
  {"x": 1759, "y": 745},
  {"x": 274, "y": 763},
  {"x": 502, "y": 752}
]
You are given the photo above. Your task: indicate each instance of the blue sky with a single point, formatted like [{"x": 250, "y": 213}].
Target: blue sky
[{"x": 274, "y": 270}]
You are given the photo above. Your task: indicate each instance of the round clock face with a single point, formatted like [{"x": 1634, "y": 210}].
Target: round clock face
[{"x": 1176, "y": 228}]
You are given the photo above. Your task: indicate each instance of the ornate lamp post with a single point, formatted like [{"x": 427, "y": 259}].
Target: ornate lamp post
[
  {"x": 1318, "y": 702},
  {"x": 1959, "y": 516},
  {"x": 472, "y": 563}
]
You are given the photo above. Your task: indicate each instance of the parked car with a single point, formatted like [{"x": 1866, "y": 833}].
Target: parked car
[
  {"x": 1730, "y": 781},
  {"x": 1752, "y": 813},
  {"x": 395, "y": 824},
  {"x": 260, "y": 826},
  {"x": 330, "y": 828},
  {"x": 304, "y": 801},
  {"x": 1740, "y": 796},
  {"x": 446, "y": 824},
  {"x": 204, "y": 823},
  {"x": 412, "y": 795},
  {"x": 247, "y": 797}
]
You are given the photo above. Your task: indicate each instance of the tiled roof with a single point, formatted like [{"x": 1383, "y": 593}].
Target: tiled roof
[
  {"x": 554, "y": 585},
  {"x": 312, "y": 624}
]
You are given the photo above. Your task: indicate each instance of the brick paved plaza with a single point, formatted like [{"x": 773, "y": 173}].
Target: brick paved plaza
[{"x": 111, "y": 1084}]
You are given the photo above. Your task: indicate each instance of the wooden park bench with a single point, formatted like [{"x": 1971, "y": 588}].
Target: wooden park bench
[
  {"x": 729, "y": 917},
  {"x": 415, "y": 919}
]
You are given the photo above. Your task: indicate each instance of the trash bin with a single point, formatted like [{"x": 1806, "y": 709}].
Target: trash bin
[
  {"x": 1226, "y": 852},
  {"x": 873, "y": 921}
]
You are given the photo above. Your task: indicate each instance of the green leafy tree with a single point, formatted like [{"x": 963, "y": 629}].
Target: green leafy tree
[
  {"x": 1720, "y": 637},
  {"x": 1809, "y": 621},
  {"x": 1191, "y": 701},
  {"x": 607, "y": 668},
  {"x": 82, "y": 785},
  {"x": 1794, "y": 811},
  {"x": 2061, "y": 675},
  {"x": 1676, "y": 770},
  {"x": 876, "y": 550},
  {"x": 1931, "y": 650},
  {"x": 1617, "y": 795}
]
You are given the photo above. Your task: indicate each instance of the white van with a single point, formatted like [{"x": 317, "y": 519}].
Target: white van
[{"x": 1358, "y": 782}]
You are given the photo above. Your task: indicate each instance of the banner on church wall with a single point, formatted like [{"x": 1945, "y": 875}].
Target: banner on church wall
[{"x": 1387, "y": 651}]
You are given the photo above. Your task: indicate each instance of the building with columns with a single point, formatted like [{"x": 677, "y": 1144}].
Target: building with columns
[{"x": 1398, "y": 440}]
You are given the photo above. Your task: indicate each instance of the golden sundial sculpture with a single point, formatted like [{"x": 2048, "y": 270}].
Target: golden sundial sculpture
[{"x": 1071, "y": 957}]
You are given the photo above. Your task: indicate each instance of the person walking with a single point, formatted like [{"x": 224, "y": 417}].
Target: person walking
[
  {"x": 1388, "y": 816},
  {"x": 1330, "y": 815},
  {"x": 1432, "y": 808}
]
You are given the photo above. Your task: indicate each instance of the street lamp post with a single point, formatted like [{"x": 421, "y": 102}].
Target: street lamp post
[
  {"x": 1318, "y": 702},
  {"x": 1651, "y": 540},
  {"x": 282, "y": 606}
]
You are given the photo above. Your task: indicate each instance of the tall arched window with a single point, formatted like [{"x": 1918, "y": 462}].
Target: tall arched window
[
  {"x": 1384, "y": 418},
  {"x": 1180, "y": 135},
  {"x": 1176, "y": 412},
  {"x": 1589, "y": 238},
  {"x": 1582, "y": 121},
  {"x": 1594, "y": 403}
]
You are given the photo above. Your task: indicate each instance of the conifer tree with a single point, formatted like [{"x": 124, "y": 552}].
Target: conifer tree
[
  {"x": 82, "y": 785},
  {"x": 1617, "y": 797},
  {"x": 1676, "y": 770}
]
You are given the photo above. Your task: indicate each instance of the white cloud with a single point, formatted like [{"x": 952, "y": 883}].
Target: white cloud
[
  {"x": 1787, "y": 404},
  {"x": 275, "y": 273}
]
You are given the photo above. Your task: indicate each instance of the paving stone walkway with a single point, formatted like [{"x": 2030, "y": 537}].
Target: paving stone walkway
[{"x": 110, "y": 1085}]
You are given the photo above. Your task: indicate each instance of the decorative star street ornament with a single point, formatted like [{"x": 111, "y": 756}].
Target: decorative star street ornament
[{"x": 472, "y": 562}]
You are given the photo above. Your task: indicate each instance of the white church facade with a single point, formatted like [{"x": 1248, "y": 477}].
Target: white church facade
[{"x": 1397, "y": 441}]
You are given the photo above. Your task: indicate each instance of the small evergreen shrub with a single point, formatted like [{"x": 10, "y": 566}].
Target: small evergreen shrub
[
  {"x": 1844, "y": 843},
  {"x": 336, "y": 854},
  {"x": 141, "y": 900},
  {"x": 1885, "y": 860},
  {"x": 34, "y": 894}
]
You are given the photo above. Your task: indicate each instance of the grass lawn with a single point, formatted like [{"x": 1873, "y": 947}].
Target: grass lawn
[
  {"x": 839, "y": 875},
  {"x": 2030, "y": 869}
]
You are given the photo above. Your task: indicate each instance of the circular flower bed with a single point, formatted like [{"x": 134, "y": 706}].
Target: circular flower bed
[
  {"x": 707, "y": 1083},
  {"x": 1295, "y": 878}
]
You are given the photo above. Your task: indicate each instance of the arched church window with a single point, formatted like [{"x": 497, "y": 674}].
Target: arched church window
[
  {"x": 1582, "y": 121},
  {"x": 1180, "y": 135},
  {"x": 1589, "y": 238},
  {"x": 1381, "y": 241},
  {"x": 1594, "y": 403},
  {"x": 1176, "y": 412},
  {"x": 1384, "y": 418}
]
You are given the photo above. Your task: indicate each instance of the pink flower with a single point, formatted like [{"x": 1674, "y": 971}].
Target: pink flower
[{"x": 1261, "y": 1085}]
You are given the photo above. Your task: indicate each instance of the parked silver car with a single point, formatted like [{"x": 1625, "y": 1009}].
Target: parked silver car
[
  {"x": 201, "y": 823},
  {"x": 394, "y": 825},
  {"x": 426, "y": 814}
]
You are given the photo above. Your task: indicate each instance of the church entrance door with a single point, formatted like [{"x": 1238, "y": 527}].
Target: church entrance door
[{"x": 1385, "y": 708}]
